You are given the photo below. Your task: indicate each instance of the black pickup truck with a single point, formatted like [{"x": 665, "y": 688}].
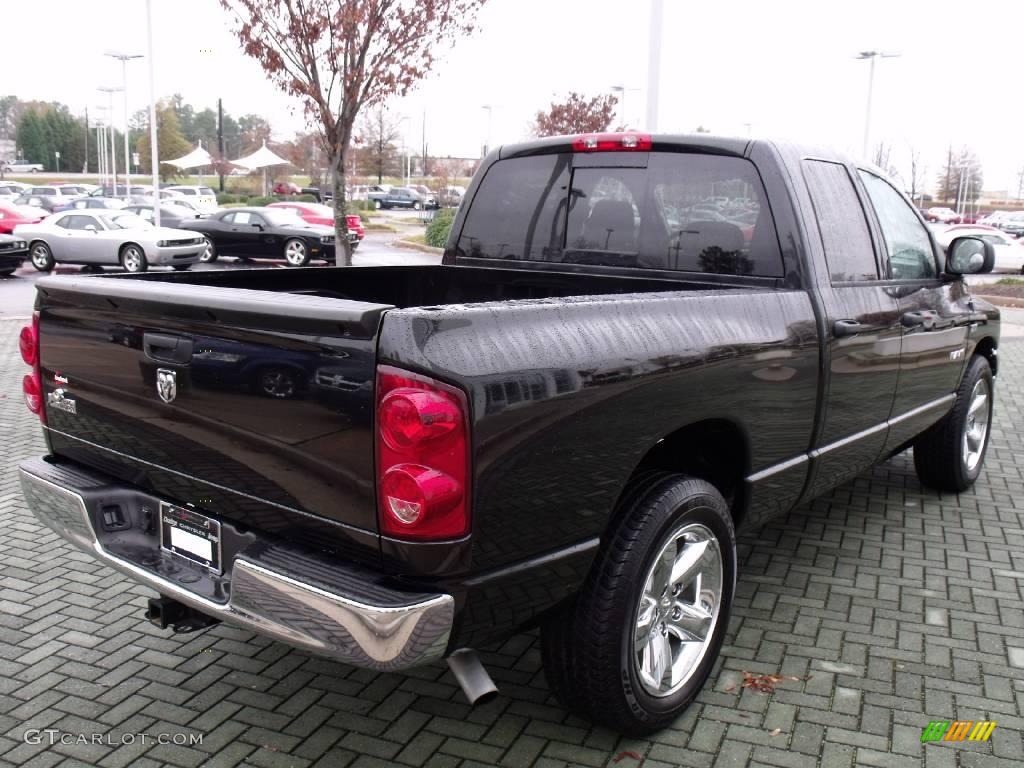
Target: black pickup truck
[{"x": 635, "y": 346}]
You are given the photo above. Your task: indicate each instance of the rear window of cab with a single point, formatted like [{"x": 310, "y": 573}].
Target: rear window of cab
[{"x": 683, "y": 212}]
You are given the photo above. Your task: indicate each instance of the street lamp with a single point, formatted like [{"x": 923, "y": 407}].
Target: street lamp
[
  {"x": 110, "y": 91},
  {"x": 623, "y": 114},
  {"x": 487, "y": 142},
  {"x": 153, "y": 146},
  {"x": 101, "y": 143},
  {"x": 871, "y": 56},
  {"x": 125, "y": 57}
]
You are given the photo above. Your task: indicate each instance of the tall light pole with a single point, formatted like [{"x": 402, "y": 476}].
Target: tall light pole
[
  {"x": 871, "y": 56},
  {"x": 654, "y": 64},
  {"x": 487, "y": 141},
  {"x": 110, "y": 91},
  {"x": 101, "y": 143},
  {"x": 623, "y": 113},
  {"x": 125, "y": 57},
  {"x": 153, "y": 146}
]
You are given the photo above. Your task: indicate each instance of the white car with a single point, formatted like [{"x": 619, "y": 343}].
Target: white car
[
  {"x": 108, "y": 238},
  {"x": 22, "y": 167},
  {"x": 1009, "y": 252},
  {"x": 203, "y": 197}
]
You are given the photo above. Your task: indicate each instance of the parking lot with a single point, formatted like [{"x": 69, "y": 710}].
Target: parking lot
[{"x": 885, "y": 606}]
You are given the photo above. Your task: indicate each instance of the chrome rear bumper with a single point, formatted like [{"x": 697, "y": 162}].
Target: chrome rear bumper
[{"x": 394, "y": 631}]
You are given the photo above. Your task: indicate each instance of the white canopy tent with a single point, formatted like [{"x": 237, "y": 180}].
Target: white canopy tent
[
  {"x": 263, "y": 158},
  {"x": 197, "y": 158}
]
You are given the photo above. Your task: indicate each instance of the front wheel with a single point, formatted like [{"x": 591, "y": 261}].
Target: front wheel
[
  {"x": 296, "y": 253},
  {"x": 133, "y": 259},
  {"x": 209, "y": 254},
  {"x": 949, "y": 455},
  {"x": 377, "y": 205},
  {"x": 643, "y": 636},
  {"x": 416, "y": 206},
  {"x": 41, "y": 257}
]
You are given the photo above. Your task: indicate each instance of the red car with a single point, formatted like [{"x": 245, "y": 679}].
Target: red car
[
  {"x": 315, "y": 213},
  {"x": 286, "y": 188},
  {"x": 12, "y": 215}
]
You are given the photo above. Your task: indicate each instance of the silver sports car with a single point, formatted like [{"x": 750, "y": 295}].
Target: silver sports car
[{"x": 108, "y": 237}]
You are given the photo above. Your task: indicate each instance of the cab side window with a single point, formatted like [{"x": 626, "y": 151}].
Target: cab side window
[
  {"x": 845, "y": 236},
  {"x": 910, "y": 248}
]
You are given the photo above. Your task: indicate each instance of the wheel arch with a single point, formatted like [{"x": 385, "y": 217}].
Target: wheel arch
[
  {"x": 715, "y": 450},
  {"x": 987, "y": 348}
]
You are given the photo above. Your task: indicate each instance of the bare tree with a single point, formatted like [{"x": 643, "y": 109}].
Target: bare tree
[
  {"x": 577, "y": 114},
  {"x": 338, "y": 56},
  {"x": 917, "y": 174},
  {"x": 378, "y": 134}
]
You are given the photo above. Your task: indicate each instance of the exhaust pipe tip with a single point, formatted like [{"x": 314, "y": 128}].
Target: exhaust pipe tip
[{"x": 468, "y": 670}]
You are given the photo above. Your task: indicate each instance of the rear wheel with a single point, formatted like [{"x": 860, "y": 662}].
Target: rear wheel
[
  {"x": 296, "y": 252},
  {"x": 41, "y": 256},
  {"x": 416, "y": 206},
  {"x": 642, "y": 639},
  {"x": 949, "y": 455},
  {"x": 209, "y": 254},
  {"x": 278, "y": 383},
  {"x": 377, "y": 205},
  {"x": 133, "y": 259}
]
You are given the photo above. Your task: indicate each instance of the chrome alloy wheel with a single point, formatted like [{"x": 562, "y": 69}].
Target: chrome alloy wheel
[
  {"x": 40, "y": 256},
  {"x": 976, "y": 424},
  {"x": 207, "y": 255},
  {"x": 678, "y": 610},
  {"x": 132, "y": 259},
  {"x": 295, "y": 253}
]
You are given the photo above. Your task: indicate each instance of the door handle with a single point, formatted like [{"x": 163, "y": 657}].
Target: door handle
[
  {"x": 167, "y": 349},
  {"x": 847, "y": 328},
  {"x": 924, "y": 318}
]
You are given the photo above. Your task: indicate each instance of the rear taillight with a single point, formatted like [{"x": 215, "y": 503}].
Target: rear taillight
[
  {"x": 612, "y": 142},
  {"x": 422, "y": 457},
  {"x": 32, "y": 384}
]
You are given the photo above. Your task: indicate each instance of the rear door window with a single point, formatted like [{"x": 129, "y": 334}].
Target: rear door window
[
  {"x": 845, "y": 236},
  {"x": 686, "y": 212}
]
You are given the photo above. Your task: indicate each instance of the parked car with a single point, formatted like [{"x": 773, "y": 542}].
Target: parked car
[
  {"x": 44, "y": 202},
  {"x": 202, "y": 196},
  {"x": 170, "y": 215},
  {"x": 120, "y": 190},
  {"x": 1009, "y": 252},
  {"x": 564, "y": 424},
  {"x": 1013, "y": 223},
  {"x": 263, "y": 233},
  {"x": 993, "y": 218},
  {"x": 84, "y": 203},
  {"x": 76, "y": 189},
  {"x": 400, "y": 197},
  {"x": 430, "y": 200},
  {"x": 107, "y": 238},
  {"x": 287, "y": 188},
  {"x": 322, "y": 215},
  {"x": 12, "y": 215},
  {"x": 18, "y": 166},
  {"x": 942, "y": 216},
  {"x": 13, "y": 251}
]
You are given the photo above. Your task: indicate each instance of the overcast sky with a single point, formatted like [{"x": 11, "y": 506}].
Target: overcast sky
[{"x": 785, "y": 68}]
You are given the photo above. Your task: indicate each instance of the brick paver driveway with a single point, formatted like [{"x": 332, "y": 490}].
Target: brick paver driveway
[{"x": 899, "y": 605}]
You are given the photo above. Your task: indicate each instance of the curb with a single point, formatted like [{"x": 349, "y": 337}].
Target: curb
[
  {"x": 420, "y": 247},
  {"x": 1011, "y": 302}
]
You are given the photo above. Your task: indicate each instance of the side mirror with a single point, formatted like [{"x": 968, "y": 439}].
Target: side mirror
[
  {"x": 91, "y": 228},
  {"x": 969, "y": 256},
  {"x": 258, "y": 227}
]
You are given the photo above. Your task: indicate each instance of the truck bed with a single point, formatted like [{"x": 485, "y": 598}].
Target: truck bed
[{"x": 271, "y": 423}]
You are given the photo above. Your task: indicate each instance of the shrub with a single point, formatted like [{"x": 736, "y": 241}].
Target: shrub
[
  {"x": 302, "y": 198},
  {"x": 438, "y": 229},
  {"x": 226, "y": 197},
  {"x": 261, "y": 200}
]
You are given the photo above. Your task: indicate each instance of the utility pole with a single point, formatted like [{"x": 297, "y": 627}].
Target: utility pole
[
  {"x": 654, "y": 64},
  {"x": 86, "y": 168},
  {"x": 124, "y": 58},
  {"x": 220, "y": 141},
  {"x": 110, "y": 91},
  {"x": 154, "y": 151}
]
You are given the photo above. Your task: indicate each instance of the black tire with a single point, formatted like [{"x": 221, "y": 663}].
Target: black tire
[
  {"x": 209, "y": 254},
  {"x": 133, "y": 258},
  {"x": 588, "y": 649},
  {"x": 278, "y": 383},
  {"x": 41, "y": 256},
  {"x": 946, "y": 457},
  {"x": 181, "y": 267}
]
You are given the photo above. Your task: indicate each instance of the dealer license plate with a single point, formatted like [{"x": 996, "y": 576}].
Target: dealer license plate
[{"x": 190, "y": 535}]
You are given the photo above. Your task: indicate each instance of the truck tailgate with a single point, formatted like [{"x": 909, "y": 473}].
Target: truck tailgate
[{"x": 250, "y": 405}]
